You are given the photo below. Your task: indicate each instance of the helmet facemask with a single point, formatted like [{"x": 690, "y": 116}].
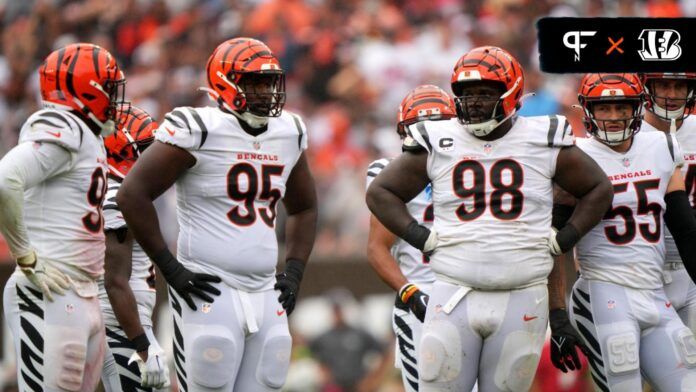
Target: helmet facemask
[
  {"x": 479, "y": 105},
  {"x": 263, "y": 92},
  {"x": 671, "y": 108},
  {"x": 615, "y": 131}
]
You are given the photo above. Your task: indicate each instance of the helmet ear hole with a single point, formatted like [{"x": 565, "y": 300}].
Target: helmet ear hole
[{"x": 89, "y": 96}]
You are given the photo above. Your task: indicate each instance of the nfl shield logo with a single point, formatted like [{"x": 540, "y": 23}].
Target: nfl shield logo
[
  {"x": 205, "y": 308},
  {"x": 626, "y": 162},
  {"x": 257, "y": 145},
  {"x": 487, "y": 148},
  {"x": 611, "y": 304}
]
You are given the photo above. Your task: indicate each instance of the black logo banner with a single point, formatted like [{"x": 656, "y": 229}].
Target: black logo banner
[{"x": 588, "y": 45}]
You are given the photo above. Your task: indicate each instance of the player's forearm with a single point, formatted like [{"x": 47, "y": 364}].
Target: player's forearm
[
  {"x": 14, "y": 168},
  {"x": 389, "y": 209},
  {"x": 591, "y": 207},
  {"x": 385, "y": 266},
  {"x": 681, "y": 223},
  {"x": 300, "y": 232},
  {"x": 139, "y": 212},
  {"x": 11, "y": 219},
  {"x": 125, "y": 307},
  {"x": 556, "y": 285}
]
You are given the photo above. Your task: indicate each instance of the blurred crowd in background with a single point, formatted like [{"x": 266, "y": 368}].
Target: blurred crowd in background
[{"x": 348, "y": 64}]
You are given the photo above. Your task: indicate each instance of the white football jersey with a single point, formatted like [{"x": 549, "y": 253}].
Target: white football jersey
[
  {"x": 226, "y": 202},
  {"x": 627, "y": 246},
  {"x": 493, "y": 200},
  {"x": 686, "y": 136},
  {"x": 413, "y": 263},
  {"x": 142, "y": 272},
  {"x": 64, "y": 213}
]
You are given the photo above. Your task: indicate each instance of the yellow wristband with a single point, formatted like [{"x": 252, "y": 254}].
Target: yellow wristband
[{"x": 408, "y": 292}]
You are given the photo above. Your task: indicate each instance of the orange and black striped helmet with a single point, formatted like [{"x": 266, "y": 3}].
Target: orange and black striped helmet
[
  {"x": 134, "y": 133},
  {"x": 682, "y": 106},
  {"x": 244, "y": 75},
  {"x": 612, "y": 88},
  {"x": 489, "y": 63},
  {"x": 425, "y": 102},
  {"x": 83, "y": 77}
]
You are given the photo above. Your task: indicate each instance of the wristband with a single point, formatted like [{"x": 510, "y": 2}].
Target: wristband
[
  {"x": 416, "y": 235},
  {"x": 140, "y": 342},
  {"x": 407, "y": 291},
  {"x": 560, "y": 215},
  {"x": 567, "y": 237}
]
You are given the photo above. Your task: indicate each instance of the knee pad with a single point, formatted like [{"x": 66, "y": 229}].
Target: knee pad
[
  {"x": 212, "y": 358},
  {"x": 686, "y": 346},
  {"x": 519, "y": 358},
  {"x": 274, "y": 361},
  {"x": 622, "y": 353},
  {"x": 440, "y": 356},
  {"x": 66, "y": 353}
]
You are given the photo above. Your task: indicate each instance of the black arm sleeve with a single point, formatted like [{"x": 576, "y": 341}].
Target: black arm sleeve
[
  {"x": 681, "y": 222},
  {"x": 560, "y": 215}
]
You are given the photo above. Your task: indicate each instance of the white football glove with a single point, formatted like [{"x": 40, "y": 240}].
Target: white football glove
[
  {"x": 431, "y": 243},
  {"x": 154, "y": 372},
  {"x": 554, "y": 248},
  {"x": 43, "y": 276}
]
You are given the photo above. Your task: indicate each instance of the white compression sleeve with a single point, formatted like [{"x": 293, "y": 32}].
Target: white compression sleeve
[{"x": 21, "y": 168}]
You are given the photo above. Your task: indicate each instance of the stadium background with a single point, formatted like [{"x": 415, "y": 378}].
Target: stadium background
[{"x": 348, "y": 63}]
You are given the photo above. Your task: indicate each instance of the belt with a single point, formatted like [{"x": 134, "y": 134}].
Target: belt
[{"x": 674, "y": 265}]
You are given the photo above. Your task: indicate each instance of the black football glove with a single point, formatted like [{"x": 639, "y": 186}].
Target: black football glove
[
  {"x": 185, "y": 282},
  {"x": 416, "y": 300},
  {"x": 564, "y": 340},
  {"x": 288, "y": 282}
]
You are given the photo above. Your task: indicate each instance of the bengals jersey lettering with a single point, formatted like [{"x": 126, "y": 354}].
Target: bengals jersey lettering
[
  {"x": 686, "y": 136},
  {"x": 63, "y": 214},
  {"x": 627, "y": 246},
  {"x": 226, "y": 202},
  {"x": 492, "y": 200},
  {"x": 412, "y": 263}
]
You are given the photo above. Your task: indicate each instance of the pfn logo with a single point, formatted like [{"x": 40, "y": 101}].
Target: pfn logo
[
  {"x": 575, "y": 44},
  {"x": 659, "y": 45}
]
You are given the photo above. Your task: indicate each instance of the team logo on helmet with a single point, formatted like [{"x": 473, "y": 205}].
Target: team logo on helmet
[
  {"x": 611, "y": 88},
  {"x": 492, "y": 64},
  {"x": 425, "y": 102},
  {"x": 244, "y": 76},
  {"x": 84, "y": 78},
  {"x": 135, "y": 132}
]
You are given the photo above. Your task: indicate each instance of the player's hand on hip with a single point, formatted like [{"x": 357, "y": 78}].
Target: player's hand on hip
[
  {"x": 154, "y": 372},
  {"x": 288, "y": 283},
  {"x": 184, "y": 282},
  {"x": 44, "y": 276},
  {"x": 564, "y": 342},
  {"x": 554, "y": 248},
  {"x": 415, "y": 299}
]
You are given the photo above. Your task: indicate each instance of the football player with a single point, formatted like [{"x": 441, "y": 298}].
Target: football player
[
  {"x": 618, "y": 305},
  {"x": 232, "y": 164},
  {"x": 52, "y": 185},
  {"x": 491, "y": 174},
  {"x": 671, "y": 99},
  {"x": 403, "y": 267},
  {"x": 127, "y": 292}
]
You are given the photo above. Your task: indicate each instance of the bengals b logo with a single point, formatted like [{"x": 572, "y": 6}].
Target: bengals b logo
[{"x": 660, "y": 45}]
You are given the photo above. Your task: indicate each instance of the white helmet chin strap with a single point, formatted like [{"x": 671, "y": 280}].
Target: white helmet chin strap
[
  {"x": 253, "y": 120},
  {"x": 670, "y": 114},
  {"x": 484, "y": 128},
  {"x": 106, "y": 128},
  {"x": 614, "y": 138}
]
